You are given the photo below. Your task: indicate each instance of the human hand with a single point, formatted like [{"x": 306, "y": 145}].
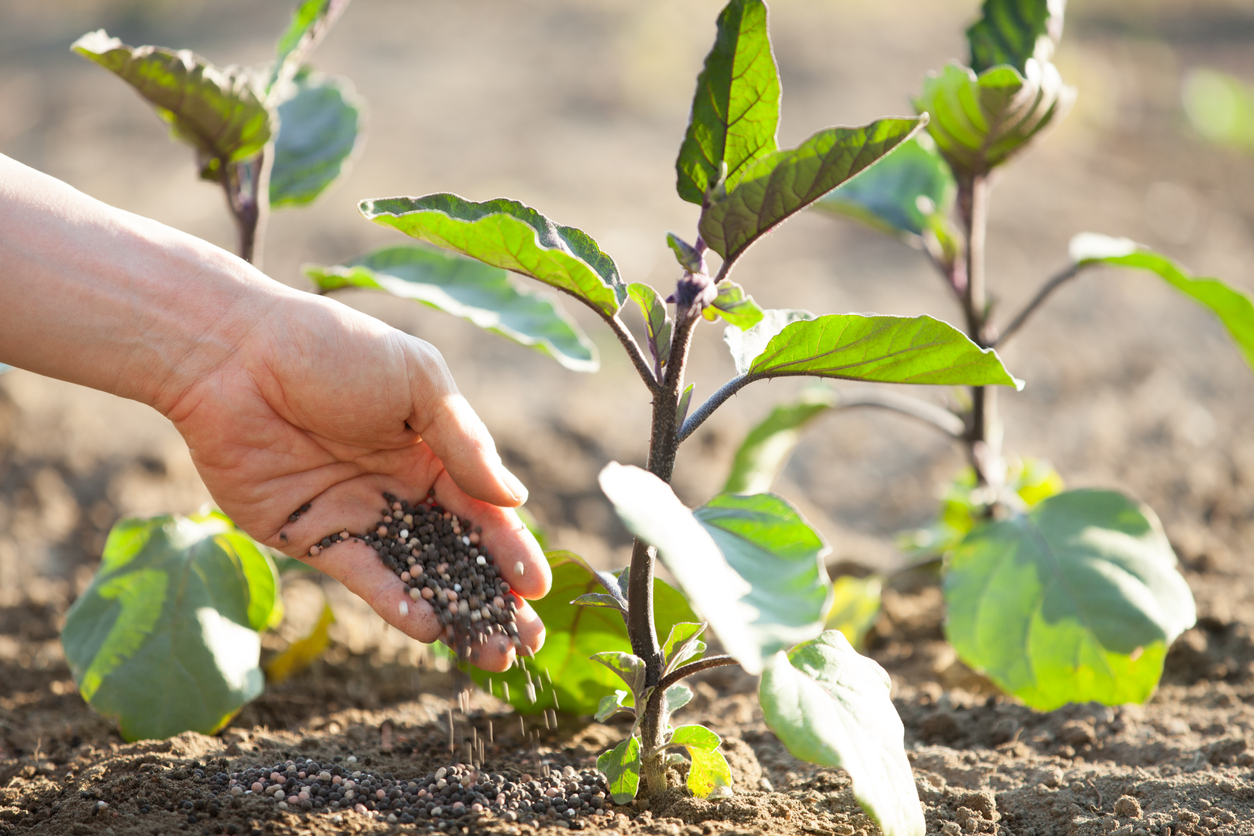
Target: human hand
[{"x": 321, "y": 404}]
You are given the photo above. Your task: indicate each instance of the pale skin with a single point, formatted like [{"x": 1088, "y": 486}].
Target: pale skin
[{"x": 283, "y": 397}]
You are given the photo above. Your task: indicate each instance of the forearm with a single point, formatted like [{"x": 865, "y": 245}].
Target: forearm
[{"x": 107, "y": 299}]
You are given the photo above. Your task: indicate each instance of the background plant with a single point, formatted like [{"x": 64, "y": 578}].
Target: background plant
[{"x": 1057, "y": 596}]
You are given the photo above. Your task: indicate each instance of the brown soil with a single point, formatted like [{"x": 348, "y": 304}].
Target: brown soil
[{"x": 576, "y": 107}]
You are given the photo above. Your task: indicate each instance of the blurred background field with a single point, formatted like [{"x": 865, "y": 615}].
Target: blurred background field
[{"x": 576, "y": 107}]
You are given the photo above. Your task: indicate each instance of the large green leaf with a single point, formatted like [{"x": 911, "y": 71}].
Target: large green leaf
[
  {"x": 831, "y": 707},
  {"x": 749, "y": 564},
  {"x": 574, "y": 682},
  {"x": 767, "y": 447},
  {"x": 318, "y": 130},
  {"x": 485, "y": 296},
  {"x": 980, "y": 122},
  {"x": 217, "y": 111},
  {"x": 907, "y": 193},
  {"x": 310, "y": 22},
  {"x": 1234, "y": 307},
  {"x": 505, "y": 233},
  {"x": 735, "y": 110},
  {"x": 165, "y": 639},
  {"x": 1012, "y": 31},
  {"x": 1220, "y": 107},
  {"x": 1076, "y": 600},
  {"x": 885, "y": 349},
  {"x": 785, "y": 182}
]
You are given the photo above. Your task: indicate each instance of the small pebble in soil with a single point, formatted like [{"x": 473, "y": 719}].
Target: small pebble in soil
[{"x": 455, "y": 795}]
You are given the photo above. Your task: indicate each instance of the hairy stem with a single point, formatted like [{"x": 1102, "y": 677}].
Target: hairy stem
[
  {"x": 663, "y": 446},
  {"x": 983, "y": 430},
  {"x": 931, "y": 414},
  {"x": 634, "y": 352},
  {"x": 247, "y": 187},
  {"x": 1041, "y": 295},
  {"x": 685, "y": 671}
]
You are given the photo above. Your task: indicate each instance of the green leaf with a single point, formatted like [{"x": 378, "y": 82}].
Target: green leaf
[
  {"x": 611, "y": 705},
  {"x": 214, "y": 110},
  {"x": 657, "y": 322},
  {"x": 1076, "y": 600},
  {"x": 1220, "y": 107},
  {"x": 735, "y": 110},
  {"x": 1012, "y": 31},
  {"x": 675, "y": 698},
  {"x": 1234, "y": 307},
  {"x": 505, "y": 233},
  {"x": 598, "y": 599},
  {"x": 784, "y": 182},
  {"x": 628, "y": 667},
  {"x": 476, "y": 292},
  {"x": 884, "y": 349},
  {"x": 682, "y": 644},
  {"x": 310, "y": 22},
  {"x": 302, "y": 653},
  {"x": 768, "y": 446},
  {"x": 735, "y": 306},
  {"x": 905, "y": 194},
  {"x": 165, "y": 639},
  {"x": 318, "y": 131},
  {"x": 750, "y": 564},
  {"x": 572, "y": 635},
  {"x": 685, "y": 400},
  {"x": 855, "y": 606},
  {"x": 696, "y": 737},
  {"x": 621, "y": 767},
  {"x": 980, "y": 122},
  {"x": 686, "y": 254},
  {"x": 831, "y": 707},
  {"x": 709, "y": 770}
]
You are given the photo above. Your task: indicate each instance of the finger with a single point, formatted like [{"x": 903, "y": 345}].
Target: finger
[
  {"x": 509, "y": 544},
  {"x": 450, "y": 427},
  {"x": 357, "y": 566}
]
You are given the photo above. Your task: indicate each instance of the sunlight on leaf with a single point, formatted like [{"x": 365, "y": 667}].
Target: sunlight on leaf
[
  {"x": 1012, "y": 31},
  {"x": 621, "y": 767},
  {"x": 302, "y": 653}
]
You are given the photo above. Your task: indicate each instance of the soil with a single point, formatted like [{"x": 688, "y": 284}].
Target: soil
[{"x": 576, "y": 107}]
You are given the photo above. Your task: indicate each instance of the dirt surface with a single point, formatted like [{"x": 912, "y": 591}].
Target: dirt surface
[{"x": 576, "y": 107}]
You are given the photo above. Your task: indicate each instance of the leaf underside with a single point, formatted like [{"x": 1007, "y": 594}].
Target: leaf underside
[
  {"x": 1075, "y": 600},
  {"x": 215, "y": 110},
  {"x": 830, "y": 706},
  {"x": 483, "y": 295}
]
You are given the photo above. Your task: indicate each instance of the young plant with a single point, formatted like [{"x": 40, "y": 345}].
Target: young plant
[
  {"x": 749, "y": 564},
  {"x": 1057, "y": 596}
]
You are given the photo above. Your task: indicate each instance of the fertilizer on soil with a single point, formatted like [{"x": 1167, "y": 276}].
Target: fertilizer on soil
[{"x": 451, "y": 797}]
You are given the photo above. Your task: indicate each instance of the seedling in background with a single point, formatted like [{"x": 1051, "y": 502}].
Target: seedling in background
[
  {"x": 1057, "y": 596},
  {"x": 748, "y": 564}
]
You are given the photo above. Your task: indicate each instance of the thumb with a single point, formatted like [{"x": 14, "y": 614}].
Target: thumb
[{"x": 449, "y": 426}]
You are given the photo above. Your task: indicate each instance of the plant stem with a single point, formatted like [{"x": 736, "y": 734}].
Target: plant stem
[
  {"x": 663, "y": 446},
  {"x": 1041, "y": 295},
  {"x": 984, "y": 431},
  {"x": 685, "y": 671},
  {"x": 634, "y": 352},
  {"x": 247, "y": 187}
]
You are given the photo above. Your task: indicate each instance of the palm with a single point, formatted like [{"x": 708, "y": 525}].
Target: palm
[{"x": 270, "y": 434}]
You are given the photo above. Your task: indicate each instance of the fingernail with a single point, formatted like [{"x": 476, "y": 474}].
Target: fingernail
[{"x": 512, "y": 483}]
